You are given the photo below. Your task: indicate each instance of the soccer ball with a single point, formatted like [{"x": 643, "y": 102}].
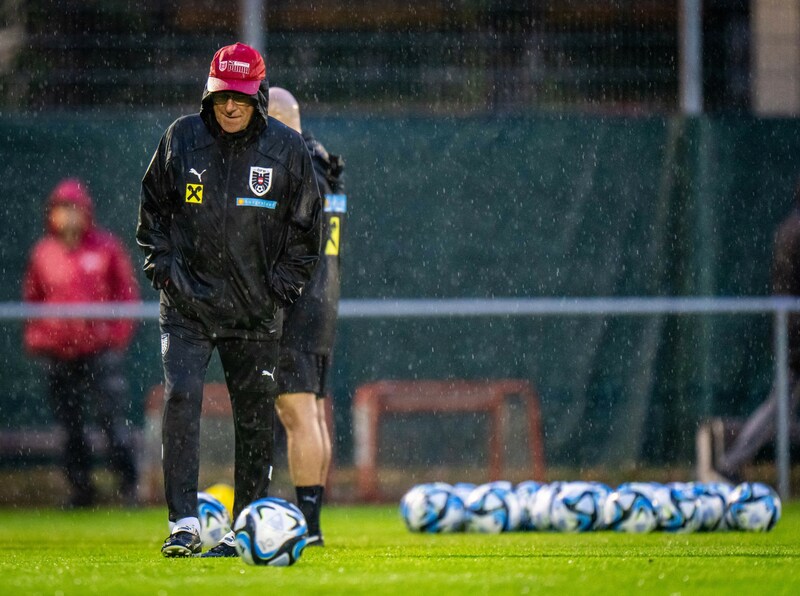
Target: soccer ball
[
  {"x": 711, "y": 511},
  {"x": 539, "y": 506},
  {"x": 215, "y": 521},
  {"x": 678, "y": 509},
  {"x": 270, "y": 531},
  {"x": 492, "y": 509},
  {"x": 675, "y": 512},
  {"x": 753, "y": 506},
  {"x": 525, "y": 492},
  {"x": 433, "y": 507},
  {"x": 578, "y": 507},
  {"x": 720, "y": 491},
  {"x": 629, "y": 509}
]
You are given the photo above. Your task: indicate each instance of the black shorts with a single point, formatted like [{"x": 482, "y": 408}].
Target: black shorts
[{"x": 303, "y": 372}]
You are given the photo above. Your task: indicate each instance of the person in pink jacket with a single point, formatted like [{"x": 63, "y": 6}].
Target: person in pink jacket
[{"x": 78, "y": 262}]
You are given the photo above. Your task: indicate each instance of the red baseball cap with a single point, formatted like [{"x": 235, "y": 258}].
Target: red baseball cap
[{"x": 236, "y": 68}]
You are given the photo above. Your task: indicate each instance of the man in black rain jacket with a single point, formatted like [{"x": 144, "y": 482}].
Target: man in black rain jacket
[{"x": 229, "y": 223}]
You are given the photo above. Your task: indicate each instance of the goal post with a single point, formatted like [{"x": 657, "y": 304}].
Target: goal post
[{"x": 373, "y": 402}]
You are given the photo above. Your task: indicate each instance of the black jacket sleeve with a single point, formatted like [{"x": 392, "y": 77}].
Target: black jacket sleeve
[
  {"x": 300, "y": 254},
  {"x": 152, "y": 230}
]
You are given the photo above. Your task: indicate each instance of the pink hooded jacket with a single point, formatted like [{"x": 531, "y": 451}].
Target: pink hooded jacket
[{"x": 97, "y": 270}]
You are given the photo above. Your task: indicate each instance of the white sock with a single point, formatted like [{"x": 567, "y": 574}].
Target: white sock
[{"x": 187, "y": 523}]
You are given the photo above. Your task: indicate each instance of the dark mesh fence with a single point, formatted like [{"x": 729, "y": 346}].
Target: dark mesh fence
[{"x": 485, "y": 207}]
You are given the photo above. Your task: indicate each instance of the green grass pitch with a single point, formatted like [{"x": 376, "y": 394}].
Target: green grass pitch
[{"x": 369, "y": 551}]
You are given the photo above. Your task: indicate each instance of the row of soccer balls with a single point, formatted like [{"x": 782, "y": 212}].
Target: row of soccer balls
[
  {"x": 269, "y": 531},
  {"x": 635, "y": 507}
]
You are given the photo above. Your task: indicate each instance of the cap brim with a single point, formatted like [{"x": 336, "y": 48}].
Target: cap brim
[{"x": 247, "y": 87}]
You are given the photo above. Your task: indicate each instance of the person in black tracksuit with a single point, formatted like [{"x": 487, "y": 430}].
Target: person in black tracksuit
[
  {"x": 229, "y": 223},
  {"x": 309, "y": 329}
]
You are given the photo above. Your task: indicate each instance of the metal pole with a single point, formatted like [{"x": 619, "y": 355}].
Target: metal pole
[
  {"x": 691, "y": 57},
  {"x": 251, "y": 24},
  {"x": 782, "y": 411}
]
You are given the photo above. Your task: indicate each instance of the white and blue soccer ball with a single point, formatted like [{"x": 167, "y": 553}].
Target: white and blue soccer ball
[
  {"x": 718, "y": 491},
  {"x": 578, "y": 507},
  {"x": 270, "y": 531},
  {"x": 711, "y": 511},
  {"x": 678, "y": 509},
  {"x": 525, "y": 492},
  {"x": 675, "y": 512},
  {"x": 539, "y": 506},
  {"x": 493, "y": 508},
  {"x": 433, "y": 507},
  {"x": 215, "y": 521},
  {"x": 711, "y": 498},
  {"x": 753, "y": 507},
  {"x": 630, "y": 509}
]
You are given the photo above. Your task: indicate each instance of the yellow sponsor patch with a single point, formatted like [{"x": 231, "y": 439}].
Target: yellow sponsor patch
[
  {"x": 194, "y": 193},
  {"x": 332, "y": 245}
]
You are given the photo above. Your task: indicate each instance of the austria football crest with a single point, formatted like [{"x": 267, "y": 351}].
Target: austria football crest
[{"x": 260, "y": 180}]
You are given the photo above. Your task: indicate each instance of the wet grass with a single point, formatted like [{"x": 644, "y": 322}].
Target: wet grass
[{"x": 369, "y": 551}]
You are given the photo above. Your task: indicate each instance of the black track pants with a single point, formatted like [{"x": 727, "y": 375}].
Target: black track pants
[{"x": 249, "y": 368}]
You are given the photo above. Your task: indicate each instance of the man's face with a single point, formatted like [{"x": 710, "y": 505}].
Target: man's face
[
  {"x": 233, "y": 111},
  {"x": 69, "y": 223}
]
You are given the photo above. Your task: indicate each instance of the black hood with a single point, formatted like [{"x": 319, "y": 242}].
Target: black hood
[{"x": 330, "y": 165}]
